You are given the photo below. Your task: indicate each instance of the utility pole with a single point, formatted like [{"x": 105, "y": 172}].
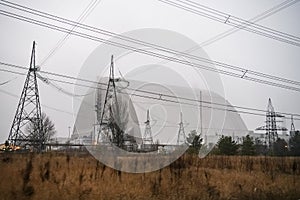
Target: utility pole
[
  {"x": 201, "y": 116},
  {"x": 28, "y": 113},
  {"x": 69, "y": 127}
]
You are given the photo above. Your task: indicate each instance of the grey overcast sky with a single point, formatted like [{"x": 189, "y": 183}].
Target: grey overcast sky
[{"x": 241, "y": 48}]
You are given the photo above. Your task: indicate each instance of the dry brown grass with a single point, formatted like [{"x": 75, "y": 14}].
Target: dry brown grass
[{"x": 80, "y": 176}]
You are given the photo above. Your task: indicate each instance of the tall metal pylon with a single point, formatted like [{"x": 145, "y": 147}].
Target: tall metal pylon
[
  {"x": 28, "y": 111},
  {"x": 181, "y": 139},
  {"x": 148, "y": 139},
  {"x": 292, "y": 131},
  {"x": 271, "y": 126},
  {"x": 110, "y": 117}
]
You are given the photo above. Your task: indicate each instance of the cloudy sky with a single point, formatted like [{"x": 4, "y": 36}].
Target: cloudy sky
[{"x": 242, "y": 49}]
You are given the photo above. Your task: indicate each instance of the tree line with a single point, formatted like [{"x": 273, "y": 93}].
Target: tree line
[{"x": 226, "y": 145}]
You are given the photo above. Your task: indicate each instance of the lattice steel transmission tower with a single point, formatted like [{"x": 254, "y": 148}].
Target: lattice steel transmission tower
[
  {"x": 293, "y": 130},
  {"x": 148, "y": 139},
  {"x": 271, "y": 126},
  {"x": 181, "y": 139},
  {"x": 110, "y": 123},
  {"x": 28, "y": 113}
]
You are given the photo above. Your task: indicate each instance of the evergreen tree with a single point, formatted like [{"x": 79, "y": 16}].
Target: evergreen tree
[
  {"x": 226, "y": 146},
  {"x": 295, "y": 144},
  {"x": 260, "y": 147},
  {"x": 248, "y": 147},
  {"x": 280, "y": 148}
]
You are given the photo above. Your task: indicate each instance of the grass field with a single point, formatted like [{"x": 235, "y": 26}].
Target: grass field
[{"x": 77, "y": 175}]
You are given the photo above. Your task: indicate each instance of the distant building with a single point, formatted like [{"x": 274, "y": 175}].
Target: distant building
[{"x": 262, "y": 136}]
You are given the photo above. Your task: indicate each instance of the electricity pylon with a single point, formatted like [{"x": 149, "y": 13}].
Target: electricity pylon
[
  {"x": 148, "y": 139},
  {"x": 28, "y": 112},
  {"x": 271, "y": 126},
  {"x": 293, "y": 130},
  {"x": 181, "y": 139},
  {"x": 110, "y": 122}
]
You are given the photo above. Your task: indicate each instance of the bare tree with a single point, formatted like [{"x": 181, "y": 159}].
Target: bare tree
[{"x": 47, "y": 132}]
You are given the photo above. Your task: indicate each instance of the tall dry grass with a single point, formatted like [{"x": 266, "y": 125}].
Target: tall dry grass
[{"x": 77, "y": 175}]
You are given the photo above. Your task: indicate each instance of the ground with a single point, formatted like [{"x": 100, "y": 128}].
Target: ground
[{"x": 77, "y": 175}]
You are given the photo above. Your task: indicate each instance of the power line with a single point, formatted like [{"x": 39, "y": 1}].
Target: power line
[
  {"x": 14, "y": 72},
  {"x": 44, "y": 106},
  {"x": 233, "y": 30},
  {"x": 259, "y": 80},
  {"x": 213, "y": 14},
  {"x": 135, "y": 90},
  {"x": 170, "y": 124},
  {"x": 157, "y": 47},
  {"x": 257, "y": 18},
  {"x": 46, "y": 81},
  {"x": 238, "y": 71},
  {"x": 87, "y": 11},
  {"x": 5, "y": 82},
  {"x": 158, "y": 96}
]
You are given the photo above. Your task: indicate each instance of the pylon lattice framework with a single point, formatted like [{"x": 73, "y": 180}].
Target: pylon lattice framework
[
  {"x": 181, "y": 139},
  {"x": 28, "y": 113},
  {"x": 293, "y": 130},
  {"x": 110, "y": 118},
  {"x": 271, "y": 126},
  {"x": 148, "y": 139}
]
